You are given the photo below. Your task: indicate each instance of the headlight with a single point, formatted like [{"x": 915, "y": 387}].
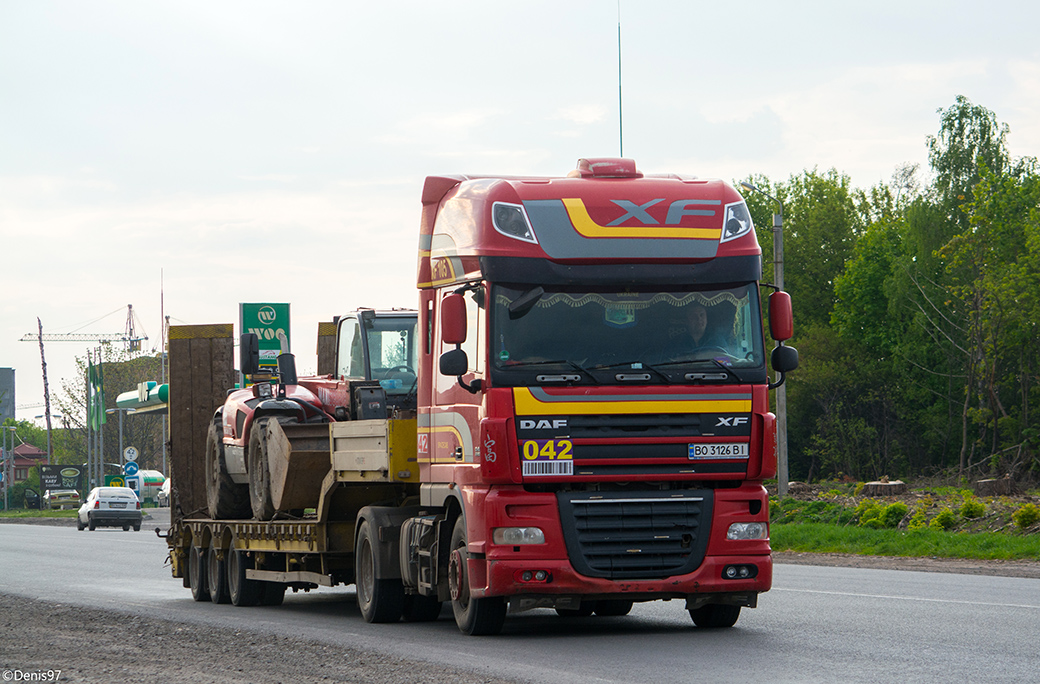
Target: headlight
[
  {"x": 517, "y": 536},
  {"x": 747, "y": 530},
  {"x": 511, "y": 220},
  {"x": 737, "y": 223}
]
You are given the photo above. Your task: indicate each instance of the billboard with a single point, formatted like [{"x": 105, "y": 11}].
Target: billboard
[
  {"x": 61, "y": 477},
  {"x": 268, "y": 322}
]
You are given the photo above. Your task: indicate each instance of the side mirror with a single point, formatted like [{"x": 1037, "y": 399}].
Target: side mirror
[
  {"x": 453, "y": 320},
  {"x": 454, "y": 362},
  {"x": 249, "y": 353},
  {"x": 784, "y": 359},
  {"x": 781, "y": 319}
]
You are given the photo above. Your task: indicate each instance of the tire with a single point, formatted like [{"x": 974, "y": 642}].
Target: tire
[
  {"x": 715, "y": 616},
  {"x": 259, "y": 473},
  {"x": 584, "y": 610},
  {"x": 216, "y": 576},
  {"x": 197, "y": 574},
  {"x": 474, "y": 616},
  {"x": 272, "y": 593},
  {"x": 613, "y": 607},
  {"x": 91, "y": 525},
  {"x": 226, "y": 499},
  {"x": 242, "y": 591},
  {"x": 137, "y": 527},
  {"x": 419, "y": 608},
  {"x": 380, "y": 600},
  {"x": 79, "y": 525},
  {"x": 126, "y": 528}
]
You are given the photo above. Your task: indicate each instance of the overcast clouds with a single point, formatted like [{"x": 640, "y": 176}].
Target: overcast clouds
[{"x": 259, "y": 151}]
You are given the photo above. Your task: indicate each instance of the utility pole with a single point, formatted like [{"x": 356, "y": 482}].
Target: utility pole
[{"x": 782, "y": 476}]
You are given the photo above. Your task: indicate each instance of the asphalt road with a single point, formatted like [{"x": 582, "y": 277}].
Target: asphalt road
[{"x": 819, "y": 624}]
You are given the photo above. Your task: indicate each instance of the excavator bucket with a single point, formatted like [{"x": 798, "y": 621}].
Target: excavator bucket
[{"x": 298, "y": 460}]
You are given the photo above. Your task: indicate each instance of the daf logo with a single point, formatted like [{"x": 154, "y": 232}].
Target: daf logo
[
  {"x": 543, "y": 424},
  {"x": 732, "y": 421}
]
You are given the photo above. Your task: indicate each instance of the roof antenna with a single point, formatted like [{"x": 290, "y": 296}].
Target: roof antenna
[{"x": 621, "y": 126}]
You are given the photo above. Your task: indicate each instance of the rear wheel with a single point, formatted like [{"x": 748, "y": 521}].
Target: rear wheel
[
  {"x": 79, "y": 525},
  {"x": 126, "y": 528},
  {"x": 259, "y": 472},
  {"x": 197, "y": 574},
  {"x": 225, "y": 498},
  {"x": 242, "y": 591},
  {"x": 613, "y": 607},
  {"x": 715, "y": 616},
  {"x": 91, "y": 525},
  {"x": 137, "y": 527},
  {"x": 474, "y": 616},
  {"x": 216, "y": 576},
  {"x": 380, "y": 600}
]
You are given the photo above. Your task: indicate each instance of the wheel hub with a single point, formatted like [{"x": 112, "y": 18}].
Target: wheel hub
[{"x": 456, "y": 574}]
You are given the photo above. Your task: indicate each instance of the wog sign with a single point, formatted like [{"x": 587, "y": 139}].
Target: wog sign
[{"x": 267, "y": 321}]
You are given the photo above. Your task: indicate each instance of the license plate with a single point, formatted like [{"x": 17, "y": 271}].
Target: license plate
[
  {"x": 719, "y": 450},
  {"x": 117, "y": 505}
]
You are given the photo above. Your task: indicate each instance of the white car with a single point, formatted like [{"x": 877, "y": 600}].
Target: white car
[
  {"x": 163, "y": 497},
  {"x": 110, "y": 507}
]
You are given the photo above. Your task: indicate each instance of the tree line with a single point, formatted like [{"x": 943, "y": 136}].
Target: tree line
[{"x": 917, "y": 310}]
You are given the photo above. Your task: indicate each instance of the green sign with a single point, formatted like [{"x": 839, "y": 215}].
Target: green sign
[{"x": 269, "y": 322}]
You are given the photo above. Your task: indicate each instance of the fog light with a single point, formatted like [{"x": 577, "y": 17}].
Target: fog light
[
  {"x": 747, "y": 530},
  {"x": 543, "y": 576},
  {"x": 739, "y": 572},
  {"x": 517, "y": 536}
]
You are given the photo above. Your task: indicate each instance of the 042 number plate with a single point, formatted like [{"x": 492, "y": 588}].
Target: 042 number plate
[{"x": 719, "y": 450}]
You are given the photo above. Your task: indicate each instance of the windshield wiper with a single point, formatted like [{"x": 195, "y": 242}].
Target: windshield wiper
[
  {"x": 632, "y": 365},
  {"x": 559, "y": 362},
  {"x": 718, "y": 364}
]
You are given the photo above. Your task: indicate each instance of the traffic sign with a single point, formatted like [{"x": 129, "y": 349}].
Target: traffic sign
[
  {"x": 130, "y": 469},
  {"x": 130, "y": 453}
]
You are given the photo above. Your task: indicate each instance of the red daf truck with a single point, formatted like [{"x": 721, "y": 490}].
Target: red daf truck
[{"x": 576, "y": 417}]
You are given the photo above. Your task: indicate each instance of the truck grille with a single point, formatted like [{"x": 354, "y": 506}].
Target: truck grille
[{"x": 636, "y": 535}]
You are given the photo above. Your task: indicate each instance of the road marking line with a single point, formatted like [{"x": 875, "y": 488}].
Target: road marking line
[{"x": 909, "y": 598}]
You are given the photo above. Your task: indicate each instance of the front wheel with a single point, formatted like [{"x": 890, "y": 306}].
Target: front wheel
[
  {"x": 474, "y": 616},
  {"x": 380, "y": 600},
  {"x": 225, "y": 499},
  {"x": 715, "y": 616},
  {"x": 259, "y": 472}
]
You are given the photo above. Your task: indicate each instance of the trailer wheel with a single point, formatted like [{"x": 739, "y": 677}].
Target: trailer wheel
[
  {"x": 216, "y": 576},
  {"x": 380, "y": 600},
  {"x": 242, "y": 591},
  {"x": 259, "y": 472},
  {"x": 474, "y": 616},
  {"x": 419, "y": 608},
  {"x": 225, "y": 499},
  {"x": 715, "y": 616},
  {"x": 197, "y": 574},
  {"x": 613, "y": 607}
]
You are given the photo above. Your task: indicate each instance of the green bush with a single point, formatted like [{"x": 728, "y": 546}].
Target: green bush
[
  {"x": 859, "y": 489},
  {"x": 1026, "y": 515},
  {"x": 944, "y": 521},
  {"x": 972, "y": 508},
  {"x": 919, "y": 520},
  {"x": 894, "y": 514}
]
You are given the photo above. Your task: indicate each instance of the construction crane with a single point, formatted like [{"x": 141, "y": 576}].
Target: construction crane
[{"x": 128, "y": 337}]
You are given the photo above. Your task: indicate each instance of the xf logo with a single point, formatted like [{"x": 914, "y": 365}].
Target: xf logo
[{"x": 731, "y": 421}]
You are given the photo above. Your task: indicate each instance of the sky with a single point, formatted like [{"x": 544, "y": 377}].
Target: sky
[{"x": 183, "y": 157}]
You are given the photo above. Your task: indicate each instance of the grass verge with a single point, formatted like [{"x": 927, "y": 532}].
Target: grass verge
[
  {"x": 68, "y": 513},
  {"x": 825, "y": 538}
]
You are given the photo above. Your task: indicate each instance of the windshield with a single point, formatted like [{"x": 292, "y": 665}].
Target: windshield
[
  {"x": 542, "y": 336},
  {"x": 391, "y": 352}
]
